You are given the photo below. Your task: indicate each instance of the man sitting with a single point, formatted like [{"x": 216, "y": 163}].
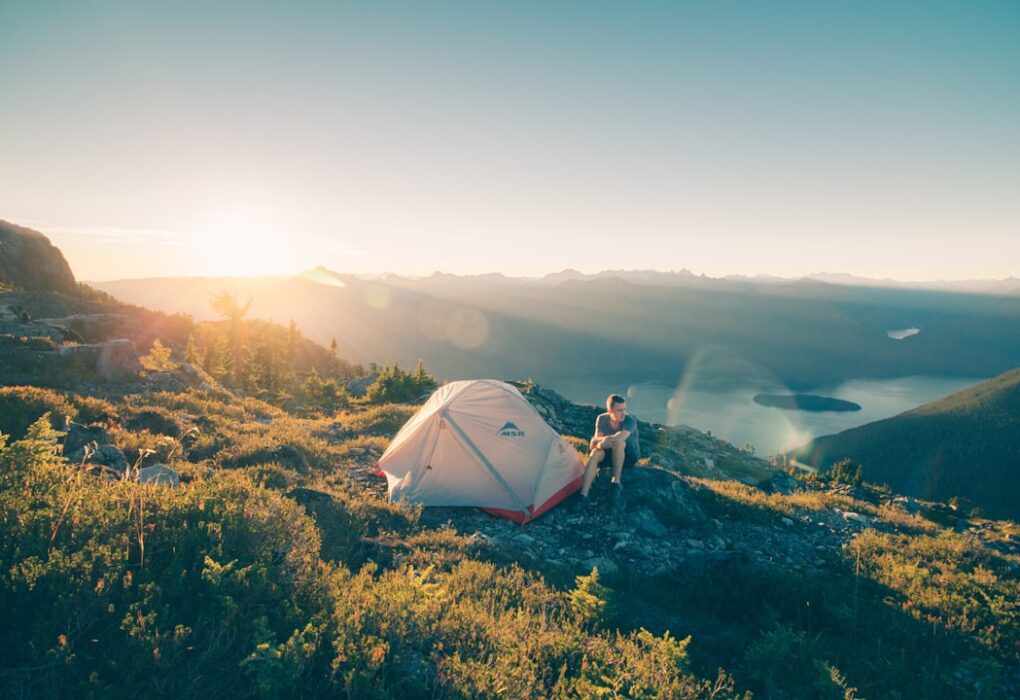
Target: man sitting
[{"x": 616, "y": 434}]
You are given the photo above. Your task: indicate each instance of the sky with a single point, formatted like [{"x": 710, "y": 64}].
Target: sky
[{"x": 880, "y": 139}]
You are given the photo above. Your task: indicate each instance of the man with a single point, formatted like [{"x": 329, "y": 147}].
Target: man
[{"x": 616, "y": 434}]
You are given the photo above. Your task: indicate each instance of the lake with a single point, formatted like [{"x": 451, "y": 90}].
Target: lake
[{"x": 732, "y": 414}]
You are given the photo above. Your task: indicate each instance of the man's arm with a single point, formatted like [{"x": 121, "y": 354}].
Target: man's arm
[
  {"x": 620, "y": 436},
  {"x": 615, "y": 439}
]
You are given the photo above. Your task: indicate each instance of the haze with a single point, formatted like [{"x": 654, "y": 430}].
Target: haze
[{"x": 165, "y": 139}]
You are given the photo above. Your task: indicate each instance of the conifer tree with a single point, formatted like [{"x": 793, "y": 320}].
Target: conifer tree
[
  {"x": 158, "y": 358},
  {"x": 226, "y": 305},
  {"x": 290, "y": 354},
  {"x": 191, "y": 354}
]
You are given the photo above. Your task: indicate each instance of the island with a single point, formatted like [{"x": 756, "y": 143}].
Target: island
[{"x": 805, "y": 402}]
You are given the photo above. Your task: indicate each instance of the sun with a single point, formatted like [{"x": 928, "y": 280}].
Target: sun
[{"x": 242, "y": 245}]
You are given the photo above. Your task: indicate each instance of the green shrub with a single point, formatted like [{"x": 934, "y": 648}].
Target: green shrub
[
  {"x": 93, "y": 410},
  {"x": 21, "y": 406},
  {"x": 272, "y": 476},
  {"x": 155, "y": 419},
  {"x": 394, "y": 385},
  {"x": 128, "y": 586},
  {"x": 845, "y": 472},
  {"x": 384, "y": 420}
]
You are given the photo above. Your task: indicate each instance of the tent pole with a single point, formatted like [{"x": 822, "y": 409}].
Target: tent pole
[{"x": 488, "y": 465}]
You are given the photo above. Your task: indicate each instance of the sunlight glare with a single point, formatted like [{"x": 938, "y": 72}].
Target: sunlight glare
[{"x": 237, "y": 244}]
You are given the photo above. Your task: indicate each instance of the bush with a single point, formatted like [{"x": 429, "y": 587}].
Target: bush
[
  {"x": 21, "y": 406},
  {"x": 845, "y": 472},
  {"x": 394, "y": 385},
  {"x": 384, "y": 420},
  {"x": 107, "y": 587}
]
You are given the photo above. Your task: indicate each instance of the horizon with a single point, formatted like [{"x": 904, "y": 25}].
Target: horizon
[
  {"x": 239, "y": 140},
  {"x": 764, "y": 276}
]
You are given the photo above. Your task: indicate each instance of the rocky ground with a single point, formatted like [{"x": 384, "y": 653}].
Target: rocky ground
[{"x": 670, "y": 520}]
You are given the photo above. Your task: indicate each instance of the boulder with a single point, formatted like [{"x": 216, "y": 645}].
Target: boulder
[
  {"x": 10, "y": 313},
  {"x": 196, "y": 377},
  {"x": 110, "y": 456},
  {"x": 666, "y": 494},
  {"x": 78, "y": 436},
  {"x": 605, "y": 565},
  {"x": 112, "y": 361},
  {"x": 781, "y": 482},
  {"x": 647, "y": 524},
  {"x": 159, "y": 474},
  {"x": 118, "y": 361}
]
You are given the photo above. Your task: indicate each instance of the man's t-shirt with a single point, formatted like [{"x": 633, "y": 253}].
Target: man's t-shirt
[{"x": 604, "y": 427}]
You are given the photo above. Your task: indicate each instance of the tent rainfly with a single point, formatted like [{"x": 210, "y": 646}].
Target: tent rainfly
[{"x": 480, "y": 443}]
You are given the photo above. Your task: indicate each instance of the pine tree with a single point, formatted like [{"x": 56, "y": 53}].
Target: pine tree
[
  {"x": 158, "y": 358},
  {"x": 225, "y": 304},
  {"x": 425, "y": 382},
  {"x": 214, "y": 362},
  {"x": 290, "y": 354},
  {"x": 334, "y": 359},
  {"x": 191, "y": 355}
]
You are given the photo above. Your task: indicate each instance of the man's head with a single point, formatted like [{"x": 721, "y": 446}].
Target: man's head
[{"x": 617, "y": 406}]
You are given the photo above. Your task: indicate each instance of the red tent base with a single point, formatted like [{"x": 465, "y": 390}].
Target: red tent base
[{"x": 554, "y": 500}]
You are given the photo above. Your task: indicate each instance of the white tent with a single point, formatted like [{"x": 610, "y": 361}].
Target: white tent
[{"x": 480, "y": 443}]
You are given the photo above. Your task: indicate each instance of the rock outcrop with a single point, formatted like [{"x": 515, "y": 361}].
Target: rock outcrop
[
  {"x": 113, "y": 361},
  {"x": 679, "y": 448},
  {"x": 29, "y": 261}
]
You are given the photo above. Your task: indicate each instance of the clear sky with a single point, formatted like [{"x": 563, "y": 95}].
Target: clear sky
[{"x": 178, "y": 138}]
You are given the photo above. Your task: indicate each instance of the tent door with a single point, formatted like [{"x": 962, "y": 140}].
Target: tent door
[{"x": 485, "y": 461}]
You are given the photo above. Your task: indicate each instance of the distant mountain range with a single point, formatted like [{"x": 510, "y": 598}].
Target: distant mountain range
[
  {"x": 966, "y": 444},
  {"x": 624, "y": 326}
]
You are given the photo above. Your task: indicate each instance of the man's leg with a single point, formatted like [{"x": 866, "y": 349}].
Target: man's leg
[
  {"x": 590, "y": 470},
  {"x": 619, "y": 453}
]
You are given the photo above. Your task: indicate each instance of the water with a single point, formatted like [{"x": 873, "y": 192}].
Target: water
[{"x": 732, "y": 415}]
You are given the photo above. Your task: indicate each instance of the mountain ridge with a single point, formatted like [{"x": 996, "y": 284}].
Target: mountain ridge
[{"x": 964, "y": 445}]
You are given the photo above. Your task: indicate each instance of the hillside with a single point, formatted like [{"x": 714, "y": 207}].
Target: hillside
[
  {"x": 965, "y": 445},
  {"x": 29, "y": 261},
  {"x": 167, "y": 531},
  {"x": 802, "y": 333}
]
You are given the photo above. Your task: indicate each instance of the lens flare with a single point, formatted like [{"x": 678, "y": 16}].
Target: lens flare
[{"x": 467, "y": 328}]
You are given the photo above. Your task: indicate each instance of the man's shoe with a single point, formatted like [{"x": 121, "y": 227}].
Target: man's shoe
[
  {"x": 579, "y": 504},
  {"x": 616, "y": 499}
]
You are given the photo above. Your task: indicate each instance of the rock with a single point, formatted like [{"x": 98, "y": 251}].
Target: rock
[
  {"x": 159, "y": 474},
  {"x": 787, "y": 522},
  {"x": 29, "y": 261},
  {"x": 113, "y": 361},
  {"x": 605, "y": 565},
  {"x": 109, "y": 456},
  {"x": 78, "y": 436},
  {"x": 646, "y": 523},
  {"x": 118, "y": 361},
  {"x": 856, "y": 517},
  {"x": 10, "y": 313},
  {"x": 781, "y": 482},
  {"x": 524, "y": 540}
]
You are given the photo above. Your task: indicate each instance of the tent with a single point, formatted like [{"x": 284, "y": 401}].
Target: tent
[{"x": 480, "y": 443}]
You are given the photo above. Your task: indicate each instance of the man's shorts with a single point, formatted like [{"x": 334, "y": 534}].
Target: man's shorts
[{"x": 629, "y": 458}]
